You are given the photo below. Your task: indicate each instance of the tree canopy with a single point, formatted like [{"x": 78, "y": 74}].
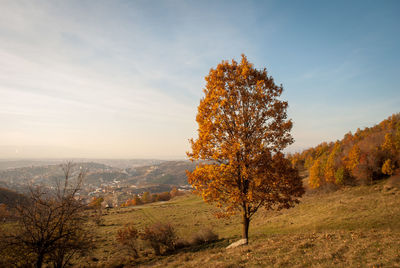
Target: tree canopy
[
  {"x": 367, "y": 155},
  {"x": 242, "y": 130}
]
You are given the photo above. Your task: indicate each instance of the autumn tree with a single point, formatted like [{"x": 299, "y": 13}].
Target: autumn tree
[
  {"x": 332, "y": 163},
  {"x": 316, "y": 178},
  {"x": 388, "y": 167},
  {"x": 146, "y": 198},
  {"x": 175, "y": 192},
  {"x": 242, "y": 130},
  {"x": 370, "y": 154}
]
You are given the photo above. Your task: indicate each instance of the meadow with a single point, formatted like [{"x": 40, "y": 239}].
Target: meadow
[{"x": 351, "y": 227}]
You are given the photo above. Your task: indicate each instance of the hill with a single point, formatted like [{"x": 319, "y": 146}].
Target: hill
[
  {"x": 369, "y": 154},
  {"x": 19, "y": 178},
  {"x": 169, "y": 172},
  {"x": 117, "y": 163},
  {"x": 10, "y": 164},
  {"x": 9, "y": 197},
  {"x": 159, "y": 172},
  {"x": 354, "y": 226}
]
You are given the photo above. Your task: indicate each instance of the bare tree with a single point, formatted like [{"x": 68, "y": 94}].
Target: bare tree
[{"x": 51, "y": 225}]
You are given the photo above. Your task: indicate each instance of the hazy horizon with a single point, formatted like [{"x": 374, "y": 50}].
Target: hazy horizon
[{"x": 123, "y": 79}]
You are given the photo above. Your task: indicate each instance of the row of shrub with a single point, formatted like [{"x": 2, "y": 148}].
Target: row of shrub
[
  {"x": 161, "y": 238},
  {"x": 148, "y": 197}
]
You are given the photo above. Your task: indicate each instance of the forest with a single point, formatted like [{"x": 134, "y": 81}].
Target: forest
[{"x": 369, "y": 154}]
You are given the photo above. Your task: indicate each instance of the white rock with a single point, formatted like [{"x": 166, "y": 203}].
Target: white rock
[{"x": 238, "y": 243}]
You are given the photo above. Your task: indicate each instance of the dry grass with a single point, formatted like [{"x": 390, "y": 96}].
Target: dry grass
[{"x": 352, "y": 227}]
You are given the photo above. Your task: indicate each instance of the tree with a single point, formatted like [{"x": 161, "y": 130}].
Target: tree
[
  {"x": 146, "y": 198},
  {"x": 242, "y": 130},
  {"x": 50, "y": 226},
  {"x": 388, "y": 167},
  {"x": 136, "y": 201},
  {"x": 316, "y": 178},
  {"x": 332, "y": 163},
  {"x": 95, "y": 203},
  {"x": 174, "y": 192}
]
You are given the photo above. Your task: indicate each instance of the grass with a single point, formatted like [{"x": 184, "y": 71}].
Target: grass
[{"x": 351, "y": 227}]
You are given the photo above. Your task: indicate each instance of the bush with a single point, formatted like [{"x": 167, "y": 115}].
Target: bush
[
  {"x": 4, "y": 213},
  {"x": 175, "y": 192},
  {"x": 165, "y": 196},
  {"x": 203, "y": 236},
  {"x": 160, "y": 236},
  {"x": 127, "y": 237},
  {"x": 181, "y": 243}
]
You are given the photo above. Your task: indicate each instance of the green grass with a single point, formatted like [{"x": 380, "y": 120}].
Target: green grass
[{"x": 358, "y": 226}]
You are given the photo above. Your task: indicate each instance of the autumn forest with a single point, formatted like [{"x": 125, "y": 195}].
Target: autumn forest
[{"x": 369, "y": 154}]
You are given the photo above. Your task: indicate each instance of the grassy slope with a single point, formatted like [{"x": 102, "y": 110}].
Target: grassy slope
[{"x": 357, "y": 226}]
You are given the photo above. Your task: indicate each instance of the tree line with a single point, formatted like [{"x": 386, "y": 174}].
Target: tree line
[
  {"x": 368, "y": 154},
  {"x": 148, "y": 197}
]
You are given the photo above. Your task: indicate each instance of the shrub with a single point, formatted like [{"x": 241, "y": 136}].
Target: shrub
[
  {"x": 96, "y": 202},
  {"x": 203, "y": 236},
  {"x": 127, "y": 237},
  {"x": 181, "y": 243},
  {"x": 165, "y": 196},
  {"x": 146, "y": 198},
  {"x": 160, "y": 236},
  {"x": 4, "y": 214},
  {"x": 175, "y": 192}
]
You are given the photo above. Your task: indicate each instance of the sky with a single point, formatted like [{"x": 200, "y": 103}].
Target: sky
[{"x": 123, "y": 79}]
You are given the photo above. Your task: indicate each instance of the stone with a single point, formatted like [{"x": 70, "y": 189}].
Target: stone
[{"x": 238, "y": 243}]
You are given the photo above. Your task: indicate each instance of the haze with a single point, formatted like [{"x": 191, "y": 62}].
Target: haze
[{"x": 122, "y": 79}]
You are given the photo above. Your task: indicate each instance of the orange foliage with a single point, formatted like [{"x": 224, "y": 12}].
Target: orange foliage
[
  {"x": 96, "y": 202},
  {"x": 175, "y": 192},
  {"x": 132, "y": 202},
  {"x": 388, "y": 167},
  {"x": 369, "y": 154},
  {"x": 316, "y": 175},
  {"x": 243, "y": 128}
]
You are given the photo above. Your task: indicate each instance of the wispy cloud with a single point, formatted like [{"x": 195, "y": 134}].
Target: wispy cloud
[{"x": 123, "y": 78}]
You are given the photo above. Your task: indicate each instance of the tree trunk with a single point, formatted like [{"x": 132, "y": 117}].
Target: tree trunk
[
  {"x": 246, "y": 222},
  {"x": 39, "y": 261}
]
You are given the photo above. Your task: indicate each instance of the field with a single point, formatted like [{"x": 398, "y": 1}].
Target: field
[{"x": 351, "y": 227}]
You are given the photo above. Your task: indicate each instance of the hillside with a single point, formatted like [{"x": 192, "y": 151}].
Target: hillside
[
  {"x": 160, "y": 172},
  {"x": 117, "y": 163},
  {"x": 10, "y": 164},
  {"x": 19, "y": 179},
  {"x": 9, "y": 197},
  {"x": 169, "y": 172},
  {"x": 367, "y": 155},
  {"x": 354, "y": 226}
]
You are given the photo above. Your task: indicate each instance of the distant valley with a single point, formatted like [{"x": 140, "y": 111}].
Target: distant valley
[{"x": 117, "y": 180}]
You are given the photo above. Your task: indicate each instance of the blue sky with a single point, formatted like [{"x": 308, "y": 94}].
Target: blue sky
[{"x": 122, "y": 79}]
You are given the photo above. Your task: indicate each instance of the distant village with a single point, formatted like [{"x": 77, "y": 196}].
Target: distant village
[{"x": 115, "y": 187}]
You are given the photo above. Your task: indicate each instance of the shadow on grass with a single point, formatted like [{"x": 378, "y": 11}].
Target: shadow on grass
[
  {"x": 153, "y": 259},
  {"x": 217, "y": 244}
]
